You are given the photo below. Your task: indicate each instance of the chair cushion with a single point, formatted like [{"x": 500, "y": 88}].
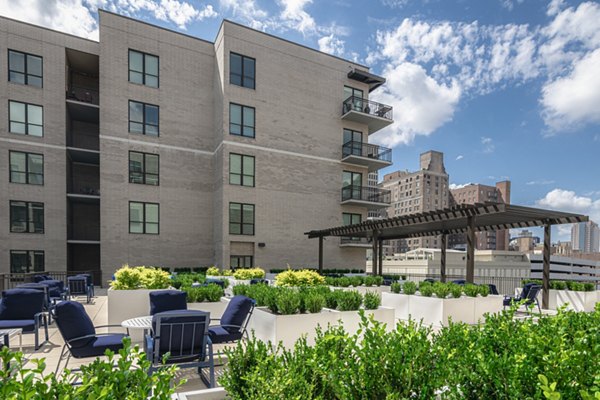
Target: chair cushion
[
  {"x": 20, "y": 304},
  {"x": 73, "y": 322},
  {"x": 97, "y": 346},
  {"x": 236, "y": 312},
  {"x": 215, "y": 282},
  {"x": 42, "y": 277},
  {"x": 28, "y": 325},
  {"x": 218, "y": 334},
  {"x": 167, "y": 300},
  {"x": 60, "y": 285}
]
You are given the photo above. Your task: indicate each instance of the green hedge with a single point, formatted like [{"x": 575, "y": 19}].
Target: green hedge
[
  {"x": 502, "y": 359},
  {"x": 565, "y": 285}
]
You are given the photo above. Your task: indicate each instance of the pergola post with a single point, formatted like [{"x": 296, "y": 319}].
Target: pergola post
[
  {"x": 374, "y": 268},
  {"x": 546, "y": 270},
  {"x": 380, "y": 257},
  {"x": 320, "y": 254},
  {"x": 470, "y": 249},
  {"x": 443, "y": 259}
]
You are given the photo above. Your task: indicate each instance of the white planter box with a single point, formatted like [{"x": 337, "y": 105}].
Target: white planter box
[
  {"x": 207, "y": 394},
  {"x": 399, "y": 302},
  {"x": 351, "y": 320},
  {"x": 126, "y": 304},
  {"x": 574, "y": 300},
  {"x": 437, "y": 312},
  {"x": 364, "y": 289},
  {"x": 287, "y": 329},
  {"x": 490, "y": 304},
  {"x": 215, "y": 309}
]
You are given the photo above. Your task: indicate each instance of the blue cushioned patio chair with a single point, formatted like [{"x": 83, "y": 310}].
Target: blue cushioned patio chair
[
  {"x": 24, "y": 309},
  {"x": 493, "y": 288},
  {"x": 257, "y": 281},
  {"x": 214, "y": 281},
  {"x": 459, "y": 281},
  {"x": 232, "y": 325},
  {"x": 528, "y": 295},
  {"x": 167, "y": 300},
  {"x": 79, "y": 333},
  {"x": 41, "y": 277},
  {"x": 78, "y": 286},
  {"x": 184, "y": 335}
]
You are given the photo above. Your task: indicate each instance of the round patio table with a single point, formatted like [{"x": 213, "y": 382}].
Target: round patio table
[{"x": 144, "y": 323}]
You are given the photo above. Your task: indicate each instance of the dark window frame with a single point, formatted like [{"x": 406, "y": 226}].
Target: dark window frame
[
  {"x": 144, "y": 173},
  {"x": 27, "y": 173},
  {"x": 242, "y": 258},
  {"x": 27, "y": 221},
  {"x": 241, "y": 223},
  {"x": 143, "y": 72},
  {"x": 241, "y": 174},
  {"x": 352, "y": 238},
  {"x": 242, "y": 125},
  {"x": 144, "y": 123},
  {"x": 29, "y": 254},
  {"x": 242, "y": 75},
  {"x": 26, "y": 74},
  {"x": 27, "y": 123},
  {"x": 143, "y": 221}
]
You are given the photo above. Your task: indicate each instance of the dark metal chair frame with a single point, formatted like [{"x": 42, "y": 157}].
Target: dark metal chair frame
[{"x": 39, "y": 320}]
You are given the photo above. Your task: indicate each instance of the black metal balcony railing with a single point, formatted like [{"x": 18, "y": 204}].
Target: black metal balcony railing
[
  {"x": 366, "y": 193},
  {"x": 83, "y": 94},
  {"x": 354, "y": 103},
  {"x": 366, "y": 150}
]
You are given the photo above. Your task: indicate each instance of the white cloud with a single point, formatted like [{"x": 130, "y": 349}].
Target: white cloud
[
  {"x": 509, "y": 4},
  {"x": 293, "y": 13},
  {"x": 421, "y": 104},
  {"x": 69, "y": 16},
  {"x": 248, "y": 12},
  {"x": 488, "y": 145},
  {"x": 569, "y": 201},
  {"x": 459, "y": 157},
  {"x": 574, "y": 99},
  {"x": 332, "y": 45},
  {"x": 394, "y": 3},
  {"x": 181, "y": 13},
  {"x": 540, "y": 182},
  {"x": 454, "y": 186},
  {"x": 554, "y": 7}
]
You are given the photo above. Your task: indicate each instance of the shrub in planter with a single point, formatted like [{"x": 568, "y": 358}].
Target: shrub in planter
[
  {"x": 409, "y": 287},
  {"x": 396, "y": 287},
  {"x": 131, "y": 278},
  {"x": 372, "y": 300},
  {"x": 575, "y": 286},
  {"x": 227, "y": 272},
  {"x": 589, "y": 287},
  {"x": 484, "y": 290},
  {"x": 177, "y": 284},
  {"x": 213, "y": 271},
  {"x": 331, "y": 299},
  {"x": 249, "y": 273},
  {"x": 378, "y": 280},
  {"x": 212, "y": 292},
  {"x": 194, "y": 294},
  {"x": 299, "y": 278},
  {"x": 471, "y": 290},
  {"x": 343, "y": 282},
  {"x": 241, "y": 290},
  {"x": 287, "y": 301},
  {"x": 369, "y": 281},
  {"x": 356, "y": 280},
  {"x": 441, "y": 290},
  {"x": 455, "y": 290},
  {"x": 314, "y": 302},
  {"x": 426, "y": 290},
  {"x": 558, "y": 285},
  {"x": 349, "y": 300}
]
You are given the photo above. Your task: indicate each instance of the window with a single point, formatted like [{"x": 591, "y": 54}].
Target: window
[
  {"x": 241, "y": 219},
  {"x": 241, "y": 70},
  {"x": 26, "y": 119},
  {"x": 241, "y": 170},
  {"x": 241, "y": 120},
  {"x": 356, "y": 102},
  {"x": 143, "y": 218},
  {"x": 143, "y": 68},
  {"x": 143, "y": 118},
  {"x": 241, "y": 261},
  {"x": 26, "y": 168},
  {"x": 24, "y": 68},
  {"x": 355, "y": 139},
  {"x": 143, "y": 168},
  {"x": 24, "y": 261},
  {"x": 350, "y": 178},
  {"x": 26, "y": 217}
]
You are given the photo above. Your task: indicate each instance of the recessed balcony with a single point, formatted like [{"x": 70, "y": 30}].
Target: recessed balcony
[
  {"x": 365, "y": 196},
  {"x": 369, "y": 155},
  {"x": 375, "y": 115}
]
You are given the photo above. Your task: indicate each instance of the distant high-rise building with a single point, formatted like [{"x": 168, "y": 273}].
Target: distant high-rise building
[
  {"x": 372, "y": 181},
  {"x": 585, "y": 237},
  {"x": 478, "y": 193},
  {"x": 416, "y": 192}
]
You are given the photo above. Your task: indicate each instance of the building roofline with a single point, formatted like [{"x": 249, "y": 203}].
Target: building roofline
[
  {"x": 47, "y": 29},
  {"x": 288, "y": 41}
]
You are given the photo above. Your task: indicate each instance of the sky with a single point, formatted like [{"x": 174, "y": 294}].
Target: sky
[{"x": 506, "y": 89}]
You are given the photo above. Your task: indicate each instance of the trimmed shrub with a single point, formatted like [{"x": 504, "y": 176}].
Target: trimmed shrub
[
  {"x": 471, "y": 290},
  {"x": 299, "y": 278},
  {"x": 131, "y": 278},
  {"x": 331, "y": 299},
  {"x": 484, "y": 290},
  {"x": 372, "y": 300},
  {"x": 589, "y": 287},
  {"x": 558, "y": 285},
  {"x": 409, "y": 287},
  {"x": 396, "y": 287},
  {"x": 287, "y": 301},
  {"x": 314, "y": 302},
  {"x": 426, "y": 290},
  {"x": 349, "y": 300},
  {"x": 455, "y": 290},
  {"x": 213, "y": 271},
  {"x": 441, "y": 290},
  {"x": 249, "y": 273}
]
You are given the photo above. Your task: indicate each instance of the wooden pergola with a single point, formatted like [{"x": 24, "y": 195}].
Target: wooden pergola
[{"x": 464, "y": 218}]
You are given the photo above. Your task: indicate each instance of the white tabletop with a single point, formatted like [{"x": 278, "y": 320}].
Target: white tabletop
[{"x": 144, "y": 322}]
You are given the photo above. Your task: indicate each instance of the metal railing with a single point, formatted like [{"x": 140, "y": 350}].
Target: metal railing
[
  {"x": 365, "y": 106},
  {"x": 366, "y": 150},
  {"x": 366, "y": 193},
  {"x": 12, "y": 280},
  {"x": 83, "y": 94}
]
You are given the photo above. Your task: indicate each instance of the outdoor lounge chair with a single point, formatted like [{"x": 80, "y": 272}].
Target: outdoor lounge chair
[
  {"x": 528, "y": 295},
  {"x": 232, "y": 325},
  {"x": 214, "y": 281},
  {"x": 459, "y": 281},
  {"x": 78, "y": 285},
  {"x": 184, "y": 335},
  {"x": 256, "y": 281},
  {"x": 79, "y": 333},
  {"x": 493, "y": 289},
  {"x": 167, "y": 300},
  {"x": 24, "y": 309}
]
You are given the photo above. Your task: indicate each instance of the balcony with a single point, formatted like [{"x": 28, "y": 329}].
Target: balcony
[
  {"x": 375, "y": 115},
  {"x": 359, "y": 242},
  {"x": 365, "y": 196},
  {"x": 368, "y": 155}
]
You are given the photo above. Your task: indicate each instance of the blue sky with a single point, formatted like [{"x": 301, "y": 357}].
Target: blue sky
[{"x": 507, "y": 89}]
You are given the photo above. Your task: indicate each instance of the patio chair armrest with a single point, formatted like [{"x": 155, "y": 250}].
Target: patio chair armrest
[
  {"x": 109, "y": 326},
  {"x": 95, "y": 335},
  {"x": 229, "y": 326},
  {"x": 38, "y": 316}
]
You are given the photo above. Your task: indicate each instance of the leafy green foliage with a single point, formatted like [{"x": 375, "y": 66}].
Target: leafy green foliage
[
  {"x": 426, "y": 289},
  {"x": 299, "y": 278},
  {"x": 211, "y": 293},
  {"x": 484, "y": 290},
  {"x": 471, "y": 290},
  {"x": 372, "y": 300},
  {"x": 589, "y": 287},
  {"x": 287, "y": 301},
  {"x": 124, "y": 378},
  {"x": 349, "y": 300},
  {"x": 409, "y": 287},
  {"x": 455, "y": 290},
  {"x": 249, "y": 273},
  {"x": 575, "y": 286},
  {"x": 396, "y": 287},
  {"x": 370, "y": 281},
  {"x": 441, "y": 290},
  {"x": 558, "y": 285},
  {"x": 213, "y": 271},
  {"x": 314, "y": 302},
  {"x": 132, "y": 278}
]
